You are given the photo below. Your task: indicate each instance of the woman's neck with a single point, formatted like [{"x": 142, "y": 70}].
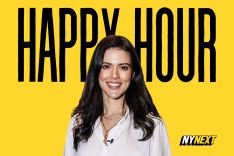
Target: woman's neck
[{"x": 113, "y": 106}]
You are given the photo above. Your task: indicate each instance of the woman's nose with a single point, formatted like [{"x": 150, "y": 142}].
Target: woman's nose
[{"x": 115, "y": 73}]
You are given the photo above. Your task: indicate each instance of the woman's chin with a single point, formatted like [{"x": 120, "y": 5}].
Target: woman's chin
[{"x": 114, "y": 96}]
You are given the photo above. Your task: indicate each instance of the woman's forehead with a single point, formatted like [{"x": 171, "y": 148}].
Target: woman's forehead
[{"x": 117, "y": 55}]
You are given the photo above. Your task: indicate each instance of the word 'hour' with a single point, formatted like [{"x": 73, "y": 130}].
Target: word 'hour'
[{"x": 47, "y": 24}]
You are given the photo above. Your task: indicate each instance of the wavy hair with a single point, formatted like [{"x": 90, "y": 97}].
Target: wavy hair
[{"x": 137, "y": 97}]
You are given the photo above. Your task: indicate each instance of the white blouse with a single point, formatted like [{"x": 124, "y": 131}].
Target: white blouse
[{"x": 123, "y": 140}]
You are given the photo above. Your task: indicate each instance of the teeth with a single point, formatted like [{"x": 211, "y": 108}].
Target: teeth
[{"x": 113, "y": 84}]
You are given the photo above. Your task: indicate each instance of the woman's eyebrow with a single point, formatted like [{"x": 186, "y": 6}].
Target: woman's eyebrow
[
  {"x": 125, "y": 64},
  {"x": 118, "y": 64}
]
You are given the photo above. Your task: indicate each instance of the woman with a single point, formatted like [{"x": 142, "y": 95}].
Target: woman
[{"x": 116, "y": 115}]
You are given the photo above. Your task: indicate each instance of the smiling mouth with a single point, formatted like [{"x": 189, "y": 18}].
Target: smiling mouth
[{"x": 113, "y": 85}]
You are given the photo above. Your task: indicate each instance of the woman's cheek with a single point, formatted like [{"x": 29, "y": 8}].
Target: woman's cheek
[
  {"x": 126, "y": 77},
  {"x": 103, "y": 75}
]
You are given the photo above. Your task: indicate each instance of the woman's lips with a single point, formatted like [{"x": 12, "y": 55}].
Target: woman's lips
[{"x": 113, "y": 85}]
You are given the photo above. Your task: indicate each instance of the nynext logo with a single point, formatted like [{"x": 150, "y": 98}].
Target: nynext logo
[{"x": 197, "y": 140}]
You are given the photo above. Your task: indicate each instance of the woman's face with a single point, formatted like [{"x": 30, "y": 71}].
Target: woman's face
[{"x": 115, "y": 74}]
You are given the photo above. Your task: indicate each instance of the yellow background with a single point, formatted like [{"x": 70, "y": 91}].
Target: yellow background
[{"x": 34, "y": 115}]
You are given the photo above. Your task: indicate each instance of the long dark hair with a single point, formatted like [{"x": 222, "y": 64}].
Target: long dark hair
[{"x": 137, "y": 97}]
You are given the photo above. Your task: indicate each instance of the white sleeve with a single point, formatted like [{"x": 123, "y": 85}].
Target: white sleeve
[
  {"x": 159, "y": 143},
  {"x": 69, "y": 150}
]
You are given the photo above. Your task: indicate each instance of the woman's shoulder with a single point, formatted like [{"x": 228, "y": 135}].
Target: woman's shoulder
[
  {"x": 160, "y": 138},
  {"x": 75, "y": 121},
  {"x": 158, "y": 121}
]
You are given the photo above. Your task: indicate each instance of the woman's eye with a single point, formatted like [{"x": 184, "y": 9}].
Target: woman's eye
[
  {"x": 124, "y": 67},
  {"x": 105, "y": 66}
]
